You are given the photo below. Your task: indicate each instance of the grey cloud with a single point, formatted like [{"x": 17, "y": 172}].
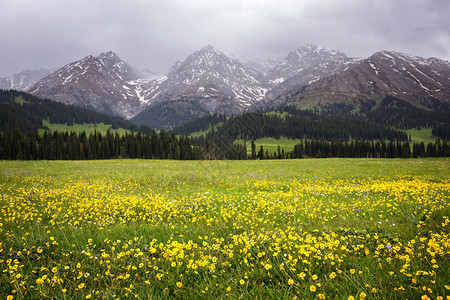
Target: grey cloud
[{"x": 154, "y": 34}]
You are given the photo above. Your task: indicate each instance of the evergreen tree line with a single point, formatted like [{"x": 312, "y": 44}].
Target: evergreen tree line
[
  {"x": 400, "y": 114},
  {"x": 396, "y": 113},
  {"x": 369, "y": 149},
  {"x": 441, "y": 130},
  {"x": 80, "y": 146},
  {"x": 201, "y": 124},
  {"x": 170, "y": 113},
  {"x": 355, "y": 149},
  {"x": 12, "y": 116},
  {"x": 17, "y": 145}
]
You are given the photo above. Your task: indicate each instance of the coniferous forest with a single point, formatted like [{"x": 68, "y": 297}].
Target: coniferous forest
[
  {"x": 26, "y": 112},
  {"x": 15, "y": 145},
  {"x": 321, "y": 134}
]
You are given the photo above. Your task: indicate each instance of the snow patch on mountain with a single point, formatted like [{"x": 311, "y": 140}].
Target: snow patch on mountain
[
  {"x": 23, "y": 80},
  {"x": 209, "y": 74},
  {"x": 209, "y": 80}
]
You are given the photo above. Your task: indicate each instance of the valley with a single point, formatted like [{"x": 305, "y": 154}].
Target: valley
[{"x": 314, "y": 94}]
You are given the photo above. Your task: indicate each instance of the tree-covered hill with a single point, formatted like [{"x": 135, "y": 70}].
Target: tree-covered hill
[
  {"x": 394, "y": 112},
  {"x": 26, "y": 112},
  {"x": 373, "y": 120},
  {"x": 294, "y": 125}
]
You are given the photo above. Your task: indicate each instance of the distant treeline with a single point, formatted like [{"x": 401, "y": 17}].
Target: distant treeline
[
  {"x": 441, "y": 130},
  {"x": 396, "y": 113},
  {"x": 200, "y": 124},
  {"x": 17, "y": 145},
  {"x": 369, "y": 149}
]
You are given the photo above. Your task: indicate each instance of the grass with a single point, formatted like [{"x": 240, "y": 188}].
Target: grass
[
  {"x": 20, "y": 100},
  {"x": 205, "y": 132},
  {"x": 280, "y": 114},
  {"x": 421, "y": 135},
  {"x": 271, "y": 144},
  {"x": 88, "y": 128},
  {"x": 160, "y": 229}
]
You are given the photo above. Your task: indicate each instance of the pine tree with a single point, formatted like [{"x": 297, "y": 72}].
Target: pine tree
[
  {"x": 261, "y": 152},
  {"x": 253, "y": 150}
]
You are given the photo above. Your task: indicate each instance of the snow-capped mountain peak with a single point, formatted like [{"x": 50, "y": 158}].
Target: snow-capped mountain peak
[
  {"x": 405, "y": 73},
  {"x": 219, "y": 82},
  {"x": 209, "y": 50},
  {"x": 313, "y": 53},
  {"x": 23, "y": 80},
  {"x": 213, "y": 80},
  {"x": 305, "y": 65},
  {"x": 308, "y": 57},
  {"x": 202, "y": 61},
  {"x": 104, "y": 83},
  {"x": 386, "y": 73}
]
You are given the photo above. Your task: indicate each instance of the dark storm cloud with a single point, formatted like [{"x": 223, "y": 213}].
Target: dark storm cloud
[{"x": 154, "y": 34}]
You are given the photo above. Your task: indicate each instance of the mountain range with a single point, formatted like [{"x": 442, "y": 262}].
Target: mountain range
[
  {"x": 386, "y": 73},
  {"x": 210, "y": 81}
]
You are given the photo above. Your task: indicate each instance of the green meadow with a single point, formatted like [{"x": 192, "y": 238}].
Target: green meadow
[
  {"x": 422, "y": 135},
  {"x": 270, "y": 229},
  {"x": 271, "y": 144},
  {"x": 88, "y": 128}
]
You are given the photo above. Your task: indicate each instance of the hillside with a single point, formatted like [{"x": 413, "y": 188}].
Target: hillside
[
  {"x": 27, "y": 113},
  {"x": 294, "y": 125}
]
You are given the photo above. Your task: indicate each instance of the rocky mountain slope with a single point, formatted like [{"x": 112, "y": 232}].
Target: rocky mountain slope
[
  {"x": 206, "y": 81},
  {"x": 216, "y": 81},
  {"x": 23, "y": 80},
  {"x": 386, "y": 73},
  {"x": 311, "y": 62},
  {"x": 208, "y": 78},
  {"x": 306, "y": 65},
  {"x": 104, "y": 83}
]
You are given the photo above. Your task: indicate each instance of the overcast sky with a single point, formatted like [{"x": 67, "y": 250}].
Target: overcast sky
[{"x": 155, "y": 33}]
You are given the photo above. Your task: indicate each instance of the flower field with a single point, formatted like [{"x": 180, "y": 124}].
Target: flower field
[{"x": 297, "y": 229}]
